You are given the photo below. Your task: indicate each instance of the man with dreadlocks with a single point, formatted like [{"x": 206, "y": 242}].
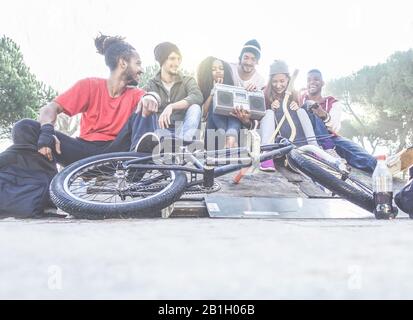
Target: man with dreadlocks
[{"x": 115, "y": 115}]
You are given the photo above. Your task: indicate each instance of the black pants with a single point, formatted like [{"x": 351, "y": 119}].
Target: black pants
[{"x": 26, "y": 132}]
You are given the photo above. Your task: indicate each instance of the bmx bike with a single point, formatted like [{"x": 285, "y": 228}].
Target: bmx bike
[{"x": 132, "y": 185}]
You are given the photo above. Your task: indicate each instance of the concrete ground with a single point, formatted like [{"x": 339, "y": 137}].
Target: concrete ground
[{"x": 207, "y": 259}]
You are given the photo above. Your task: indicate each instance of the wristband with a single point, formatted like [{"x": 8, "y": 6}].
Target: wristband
[
  {"x": 46, "y": 137},
  {"x": 154, "y": 95}
]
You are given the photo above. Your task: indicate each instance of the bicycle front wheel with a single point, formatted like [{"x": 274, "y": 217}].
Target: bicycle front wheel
[
  {"x": 347, "y": 187},
  {"x": 100, "y": 187}
]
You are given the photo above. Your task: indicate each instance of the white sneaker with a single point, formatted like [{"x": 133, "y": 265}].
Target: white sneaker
[
  {"x": 149, "y": 143},
  {"x": 333, "y": 152}
]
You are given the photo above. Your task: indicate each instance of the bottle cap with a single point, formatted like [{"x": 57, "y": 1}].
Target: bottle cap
[{"x": 381, "y": 157}]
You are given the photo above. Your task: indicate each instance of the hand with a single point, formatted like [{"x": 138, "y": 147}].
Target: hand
[
  {"x": 251, "y": 87},
  {"x": 243, "y": 115},
  {"x": 320, "y": 112},
  {"x": 48, "y": 153},
  {"x": 276, "y": 105},
  {"x": 218, "y": 81},
  {"x": 165, "y": 117},
  {"x": 148, "y": 105},
  {"x": 294, "y": 106}
]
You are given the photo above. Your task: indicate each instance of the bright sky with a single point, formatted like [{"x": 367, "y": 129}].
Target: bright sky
[{"x": 337, "y": 36}]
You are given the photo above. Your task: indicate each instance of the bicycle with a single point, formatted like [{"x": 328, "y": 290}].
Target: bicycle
[{"x": 131, "y": 185}]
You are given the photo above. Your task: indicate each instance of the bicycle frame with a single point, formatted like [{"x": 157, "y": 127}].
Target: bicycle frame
[{"x": 212, "y": 165}]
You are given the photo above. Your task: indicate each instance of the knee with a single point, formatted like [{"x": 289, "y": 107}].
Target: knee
[
  {"x": 25, "y": 124},
  {"x": 301, "y": 111},
  {"x": 195, "y": 110},
  {"x": 232, "y": 133},
  {"x": 26, "y": 131},
  {"x": 269, "y": 116}
]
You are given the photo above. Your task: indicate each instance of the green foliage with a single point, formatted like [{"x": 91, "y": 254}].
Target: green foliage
[
  {"x": 380, "y": 99},
  {"x": 21, "y": 95},
  {"x": 148, "y": 74}
]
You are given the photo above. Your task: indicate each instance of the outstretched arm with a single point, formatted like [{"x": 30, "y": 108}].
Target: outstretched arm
[
  {"x": 47, "y": 138},
  {"x": 48, "y": 114}
]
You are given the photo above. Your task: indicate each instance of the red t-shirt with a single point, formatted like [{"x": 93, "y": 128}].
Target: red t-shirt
[{"x": 102, "y": 116}]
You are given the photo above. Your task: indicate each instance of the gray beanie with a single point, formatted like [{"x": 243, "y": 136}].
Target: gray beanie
[{"x": 279, "y": 66}]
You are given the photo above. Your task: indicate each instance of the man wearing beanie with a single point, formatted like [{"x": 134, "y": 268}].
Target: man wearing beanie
[
  {"x": 244, "y": 72},
  {"x": 179, "y": 111}
]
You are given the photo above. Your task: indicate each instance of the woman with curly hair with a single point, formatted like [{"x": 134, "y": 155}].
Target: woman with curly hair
[{"x": 214, "y": 71}]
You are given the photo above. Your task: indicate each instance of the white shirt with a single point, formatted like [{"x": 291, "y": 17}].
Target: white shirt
[
  {"x": 168, "y": 86},
  {"x": 256, "y": 79}
]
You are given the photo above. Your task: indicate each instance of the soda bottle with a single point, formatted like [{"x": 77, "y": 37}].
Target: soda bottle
[{"x": 383, "y": 191}]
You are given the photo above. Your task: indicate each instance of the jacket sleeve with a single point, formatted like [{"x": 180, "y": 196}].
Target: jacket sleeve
[
  {"x": 194, "y": 93},
  {"x": 334, "y": 123}
]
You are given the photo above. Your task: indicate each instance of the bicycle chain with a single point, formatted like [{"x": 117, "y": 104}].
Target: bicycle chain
[
  {"x": 198, "y": 190},
  {"x": 195, "y": 190}
]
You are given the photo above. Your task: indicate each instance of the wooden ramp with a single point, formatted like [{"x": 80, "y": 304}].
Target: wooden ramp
[{"x": 263, "y": 191}]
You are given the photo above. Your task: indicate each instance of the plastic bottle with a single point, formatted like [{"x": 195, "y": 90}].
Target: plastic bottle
[{"x": 383, "y": 190}]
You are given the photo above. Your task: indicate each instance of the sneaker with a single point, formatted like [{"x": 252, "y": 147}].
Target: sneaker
[
  {"x": 400, "y": 161},
  {"x": 333, "y": 153},
  {"x": 149, "y": 143},
  {"x": 195, "y": 146},
  {"x": 267, "y": 166}
]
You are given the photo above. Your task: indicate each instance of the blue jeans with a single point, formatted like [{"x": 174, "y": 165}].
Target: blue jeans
[
  {"x": 186, "y": 130},
  {"x": 218, "y": 128},
  {"x": 321, "y": 132},
  {"x": 230, "y": 125},
  {"x": 354, "y": 154}
]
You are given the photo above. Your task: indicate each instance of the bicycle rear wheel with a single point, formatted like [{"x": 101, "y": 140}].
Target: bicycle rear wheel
[
  {"x": 347, "y": 187},
  {"x": 100, "y": 187}
]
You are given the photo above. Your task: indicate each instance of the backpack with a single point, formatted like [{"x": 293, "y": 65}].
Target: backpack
[
  {"x": 404, "y": 199},
  {"x": 25, "y": 176},
  {"x": 285, "y": 129}
]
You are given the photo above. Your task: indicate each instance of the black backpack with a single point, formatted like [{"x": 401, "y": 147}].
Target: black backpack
[{"x": 25, "y": 176}]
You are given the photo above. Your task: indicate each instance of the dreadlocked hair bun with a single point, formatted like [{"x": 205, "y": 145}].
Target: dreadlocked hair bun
[{"x": 103, "y": 42}]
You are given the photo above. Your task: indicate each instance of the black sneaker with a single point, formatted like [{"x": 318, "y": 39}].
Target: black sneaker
[{"x": 149, "y": 143}]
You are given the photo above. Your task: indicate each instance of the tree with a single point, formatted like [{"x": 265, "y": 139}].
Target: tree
[
  {"x": 380, "y": 99},
  {"x": 148, "y": 74},
  {"x": 21, "y": 95}
]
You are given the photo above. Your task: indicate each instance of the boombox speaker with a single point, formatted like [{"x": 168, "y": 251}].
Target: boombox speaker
[{"x": 226, "y": 98}]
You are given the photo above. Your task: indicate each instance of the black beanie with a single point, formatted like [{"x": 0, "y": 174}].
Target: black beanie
[
  {"x": 163, "y": 50},
  {"x": 252, "y": 46}
]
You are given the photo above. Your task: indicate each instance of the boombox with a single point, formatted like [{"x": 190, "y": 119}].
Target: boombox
[{"x": 226, "y": 98}]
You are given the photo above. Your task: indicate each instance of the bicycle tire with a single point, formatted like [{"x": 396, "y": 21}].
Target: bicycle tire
[
  {"x": 309, "y": 167},
  {"x": 142, "y": 208}
]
